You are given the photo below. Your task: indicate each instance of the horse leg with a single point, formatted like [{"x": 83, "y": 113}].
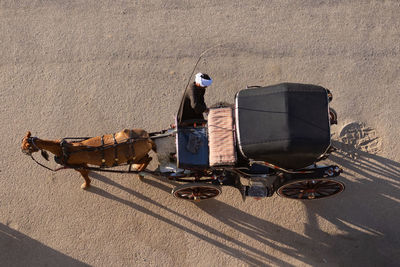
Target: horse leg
[
  {"x": 142, "y": 164},
  {"x": 85, "y": 175}
]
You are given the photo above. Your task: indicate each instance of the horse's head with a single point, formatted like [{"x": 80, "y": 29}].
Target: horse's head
[{"x": 28, "y": 144}]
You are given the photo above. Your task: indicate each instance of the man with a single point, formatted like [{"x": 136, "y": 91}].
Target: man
[{"x": 192, "y": 104}]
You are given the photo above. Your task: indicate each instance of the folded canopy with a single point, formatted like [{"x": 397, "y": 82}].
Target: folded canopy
[{"x": 285, "y": 124}]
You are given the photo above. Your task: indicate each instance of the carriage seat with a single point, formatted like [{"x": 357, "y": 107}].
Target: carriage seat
[
  {"x": 286, "y": 125},
  {"x": 222, "y": 143}
]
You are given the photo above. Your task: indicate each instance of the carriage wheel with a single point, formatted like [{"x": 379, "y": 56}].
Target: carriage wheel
[
  {"x": 332, "y": 116},
  {"x": 308, "y": 189},
  {"x": 196, "y": 191}
]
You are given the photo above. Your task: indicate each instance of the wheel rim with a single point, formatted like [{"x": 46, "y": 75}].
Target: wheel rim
[
  {"x": 309, "y": 189},
  {"x": 196, "y": 191}
]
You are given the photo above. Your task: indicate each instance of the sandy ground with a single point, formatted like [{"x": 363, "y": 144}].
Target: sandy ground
[{"x": 86, "y": 68}]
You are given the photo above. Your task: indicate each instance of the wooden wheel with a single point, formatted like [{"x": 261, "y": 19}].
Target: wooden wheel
[
  {"x": 196, "y": 191},
  {"x": 308, "y": 189}
]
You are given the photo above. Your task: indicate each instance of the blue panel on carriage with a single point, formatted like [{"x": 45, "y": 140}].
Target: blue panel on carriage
[{"x": 192, "y": 147}]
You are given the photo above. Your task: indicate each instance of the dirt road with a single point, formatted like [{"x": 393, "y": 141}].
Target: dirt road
[{"x": 86, "y": 68}]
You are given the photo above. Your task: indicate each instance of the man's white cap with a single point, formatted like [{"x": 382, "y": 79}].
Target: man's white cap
[{"x": 200, "y": 79}]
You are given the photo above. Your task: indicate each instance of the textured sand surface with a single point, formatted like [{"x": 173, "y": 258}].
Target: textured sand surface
[{"x": 86, "y": 68}]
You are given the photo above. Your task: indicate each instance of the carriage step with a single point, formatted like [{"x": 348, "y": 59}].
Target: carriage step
[
  {"x": 256, "y": 191},
  {"x": 258, "y": 188}
]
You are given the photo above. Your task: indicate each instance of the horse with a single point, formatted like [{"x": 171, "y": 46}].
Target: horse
[{"x": 127, "y": 146}]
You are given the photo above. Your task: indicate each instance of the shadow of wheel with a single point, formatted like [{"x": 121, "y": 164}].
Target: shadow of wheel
[
  {"x": 310, "y": 189},
  {"x": 196, "y": 192}
]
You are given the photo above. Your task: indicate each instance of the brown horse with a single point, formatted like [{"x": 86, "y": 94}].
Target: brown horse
[{"x": 98, "y": 151}]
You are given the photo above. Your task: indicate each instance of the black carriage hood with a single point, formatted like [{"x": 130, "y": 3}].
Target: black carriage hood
[{"x": 285, "y": 124}]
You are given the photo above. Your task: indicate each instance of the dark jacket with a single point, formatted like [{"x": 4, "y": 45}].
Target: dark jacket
[{"x": 192, "y": 104}]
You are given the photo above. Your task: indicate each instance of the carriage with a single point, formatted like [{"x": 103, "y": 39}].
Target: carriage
[{"x": 268, "y": 141}]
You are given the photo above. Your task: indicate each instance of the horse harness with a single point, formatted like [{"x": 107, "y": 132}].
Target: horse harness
[
  {"x": 129, "y": 155},
  {"x": 63, "y": 159}
]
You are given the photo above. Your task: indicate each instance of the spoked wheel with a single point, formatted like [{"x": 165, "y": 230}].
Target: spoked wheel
[
  {"x": 308, "y": 189},
  {"x": 196, "y": 191}
]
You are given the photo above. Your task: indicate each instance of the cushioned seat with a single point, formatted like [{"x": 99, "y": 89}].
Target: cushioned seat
[
  {"x": 221, "y": 139},
  {"x": 286, "y": 124}
]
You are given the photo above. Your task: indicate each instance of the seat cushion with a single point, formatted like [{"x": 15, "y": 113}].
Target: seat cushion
[
  {"x": 221, "y": 138},
  {"x": 286, "y": 124}
]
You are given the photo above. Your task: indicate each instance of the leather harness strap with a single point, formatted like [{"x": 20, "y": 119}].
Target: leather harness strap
[
  {"x": 103, "y": 160},
  {"x": 115, "y": 151},
  {"x": 64, "y": 151},
  {"x": 131, "y": 148},
  {"x": 130, "y": 154}
]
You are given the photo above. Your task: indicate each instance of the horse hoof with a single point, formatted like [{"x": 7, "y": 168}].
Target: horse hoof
[{"x": 84, "y": 186}]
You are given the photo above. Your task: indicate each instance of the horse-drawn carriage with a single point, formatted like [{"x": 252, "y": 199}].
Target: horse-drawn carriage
[{"x": 269, "y": 140}]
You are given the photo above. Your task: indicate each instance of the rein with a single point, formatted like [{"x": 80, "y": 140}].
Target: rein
[{"x": 44, "y": 166}]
